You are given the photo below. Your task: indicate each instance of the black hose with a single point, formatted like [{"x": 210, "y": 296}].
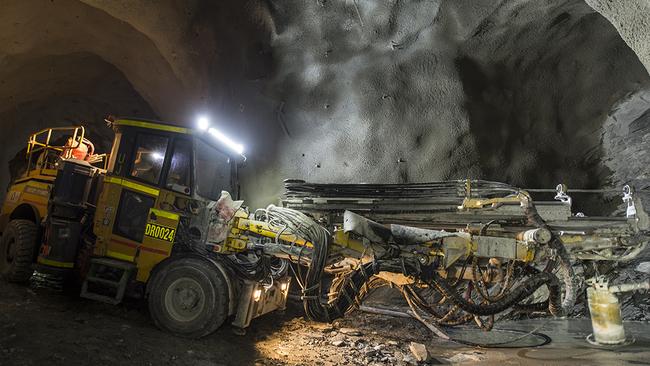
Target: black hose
[
  {"x": 563, "y": 259},
  {"x": 525, "y": 289},
  {"x": 349, "y": 293},
  {"x": 312, "y": 292},
  {"x": 532, "y": 308},
  {"x": 252, "y": 270}
]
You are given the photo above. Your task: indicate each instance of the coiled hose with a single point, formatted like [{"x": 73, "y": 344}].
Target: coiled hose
[
  {"x": 522, "y": 291},
  {"x": 296, "y": 222},
  {"x": 563, "y": 260},
  {"x": 351, "y": 291}
]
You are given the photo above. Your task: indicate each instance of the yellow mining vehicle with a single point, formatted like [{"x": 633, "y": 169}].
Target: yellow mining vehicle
[
  {"x": 110, "y": 221},
  {"x": 156, "y": 218}
]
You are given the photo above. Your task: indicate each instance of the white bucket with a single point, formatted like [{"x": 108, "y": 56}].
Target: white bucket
[{"x": 605, "y": 317}]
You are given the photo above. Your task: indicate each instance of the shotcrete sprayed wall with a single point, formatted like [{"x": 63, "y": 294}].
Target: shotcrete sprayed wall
[
  {"x": 403, "y": 91},
  {"x": 339, "y": 90},
  {"x": 368, "y": 92}
]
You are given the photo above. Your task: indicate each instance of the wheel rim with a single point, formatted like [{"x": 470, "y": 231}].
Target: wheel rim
[{"x": 185, "y": 299}]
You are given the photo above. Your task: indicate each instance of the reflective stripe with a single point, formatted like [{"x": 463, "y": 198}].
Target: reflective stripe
[
  {"x": 117, "y": 255},
  {"x": 130, "y": 245},
  {"x": 154, "y": 250},
  {"x": 53, "y": 263},
  {"x": 152, "y": 125},
  {"x": 166, "y": 214},
  {"x": 132, "y": 185}
]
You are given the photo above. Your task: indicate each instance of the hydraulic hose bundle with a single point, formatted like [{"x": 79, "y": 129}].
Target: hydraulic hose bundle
[
  {"x": 350, "y": 286},
  {"x": 307, "y": 245},
  {"x": 310, "y": 282},
  {"x": 562, "y": 258},
  {"x": 522, "y": 291},
  {"x": 254, "y": 268}
]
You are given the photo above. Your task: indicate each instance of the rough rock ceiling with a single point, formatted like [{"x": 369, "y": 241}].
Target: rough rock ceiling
[{"x": 380, "y": 91}]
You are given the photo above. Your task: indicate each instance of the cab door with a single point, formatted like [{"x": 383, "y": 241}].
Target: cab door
[
  {"x": 173, "y": 199},
  {"x": 128, "y": 193}
]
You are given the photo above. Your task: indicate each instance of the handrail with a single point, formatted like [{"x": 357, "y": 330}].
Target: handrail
[
  {"x": 33, "y": 138},
  {"x": 34, "y": 145}
]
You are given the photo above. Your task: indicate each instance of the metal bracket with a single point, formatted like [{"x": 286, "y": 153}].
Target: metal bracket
[
  {"x": 630, "y": 211},
  {"x": 561, "y": 194}
]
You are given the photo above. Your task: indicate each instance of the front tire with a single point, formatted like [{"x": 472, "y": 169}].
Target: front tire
[
  {"x": 17, "y": 250},
  {"x": 189, "y": 297}
]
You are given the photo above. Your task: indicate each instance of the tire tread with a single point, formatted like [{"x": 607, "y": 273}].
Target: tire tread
[
  {"x": 215, "y": 277},
  {"x": 26, "y": 232}
]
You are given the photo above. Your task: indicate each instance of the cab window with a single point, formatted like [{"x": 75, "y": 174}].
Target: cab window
[
  {"x": 178, "y": 178},
  {"x": 132, "y": 215},
  {"x": 147, "y": 162},
  {"x": 213, "y": 171}
]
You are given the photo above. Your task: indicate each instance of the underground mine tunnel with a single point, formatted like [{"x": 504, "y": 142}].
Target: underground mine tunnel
[{"x": 329, "y": 182}]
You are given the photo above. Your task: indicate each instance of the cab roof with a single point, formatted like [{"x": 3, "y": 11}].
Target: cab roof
[
  {"x": 168, "y": 127},
  {"x": 151, "y": 124}
]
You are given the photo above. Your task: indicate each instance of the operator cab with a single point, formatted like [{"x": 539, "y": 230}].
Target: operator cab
[
  {"x": 146, "y": 223},
  {"x": 159, "y": 181},
  {"x": 182, "y": 160}
]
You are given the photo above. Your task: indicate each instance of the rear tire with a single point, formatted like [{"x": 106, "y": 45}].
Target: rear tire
[
  {"x": 17, "y": 250},
  {"x": 189, "y": 297}
]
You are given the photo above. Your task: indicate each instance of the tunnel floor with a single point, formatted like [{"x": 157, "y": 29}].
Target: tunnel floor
[{"x": 40, "y": 327}]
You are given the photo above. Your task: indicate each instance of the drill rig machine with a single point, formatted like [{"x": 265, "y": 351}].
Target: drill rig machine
[{"x": 155, "y": 218}]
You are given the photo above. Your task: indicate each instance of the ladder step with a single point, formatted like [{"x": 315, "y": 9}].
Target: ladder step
[
  {"x": 114, "y": 263},
  {"x": 126, "y": 268},
  {"x": 103, "y": 281}
]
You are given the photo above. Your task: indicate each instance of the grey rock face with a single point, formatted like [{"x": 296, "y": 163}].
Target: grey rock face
[
  {"x": 626, "y": 139},
  {"x": 343, "y": 91},
  {"x": 414, "y": 91},
  {"x": 632, "y": 20}
]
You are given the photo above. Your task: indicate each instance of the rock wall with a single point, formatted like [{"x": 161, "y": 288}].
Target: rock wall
[
  {"x": 626, "y": 139},
  {"x": 342, "y": 90},
  {"x": 632, "y": 20},
  {"x": 539, "y": 89},
  {"x": 398, "y": 91},
  {"x": 367, "y": 92}
]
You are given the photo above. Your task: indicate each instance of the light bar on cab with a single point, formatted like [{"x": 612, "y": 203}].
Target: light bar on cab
[
  {"x": 203, "y": 124},
  {"x": 239, "y": 148}
]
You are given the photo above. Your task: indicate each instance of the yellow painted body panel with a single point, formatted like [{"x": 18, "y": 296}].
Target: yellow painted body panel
[
  {"x": 53, "y": 263},
  {"x": 241, "y": 225},
  {"x": 120, "y": 256},
  {"x": 133, "y": 185},
  {"x": 28, "y": 191},
  {"x": 344, "y": 240},
  {"x": 268, "y": 230},
  {"x": 159, "y": 235},
  {"x": 109, "y": 244},
  {"x": 157, "y": 244}
]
